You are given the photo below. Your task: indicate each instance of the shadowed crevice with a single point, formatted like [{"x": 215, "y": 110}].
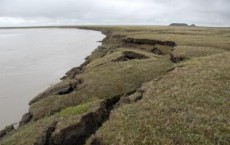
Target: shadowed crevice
[
  {"x": 149, "y": 42},
  {"x": 176, "y": 59},
  {"x": 6, "y": 130},
  {"x": 78, "y": 133},
  {"x": 66, "y": 90},
  {"x": 157, "y": 51},
  {"x": 25, "y": 119},
  {"x": 58, "y": 90},
  {"x": 130, "y": 55}
]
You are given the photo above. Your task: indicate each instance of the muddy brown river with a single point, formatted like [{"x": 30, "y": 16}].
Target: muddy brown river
[{"x": 33, "y": 59}]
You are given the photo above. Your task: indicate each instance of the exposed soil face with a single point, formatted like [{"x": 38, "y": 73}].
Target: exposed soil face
[
  {"x": 61, "y": 89},
  {"x": 43, "y": 140},
  {"x": 6, "y": 130},
  {"x": 78, "y": 133},
  {"x": 96, "y": 142},
  {"x": 176, "y": 58},
  {"x": 157, "y": 51},
  {"x": 136, "y": 90},
  {"x": 149, "y": 42},
  {"x": 66, "y": 90},
  {"x": 130, "y": 55},
  {"x": 155, "y": 46},
  {"x": 25, "y": 118}
]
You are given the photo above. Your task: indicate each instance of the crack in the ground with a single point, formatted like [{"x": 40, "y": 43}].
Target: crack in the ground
[
  {"x": 130, "y": 55},
  {"x": 149, "y": 42},
  {"x": 66, "y": 90},
  {"x": 132, "y": 97},
  {"x": 49, "y": 132},
  {"x": 44, "y": 138},
  {"x": 78, "y": 133},
  {"x": 175, "y": 58},
  {"x": 157, "y": 51}
]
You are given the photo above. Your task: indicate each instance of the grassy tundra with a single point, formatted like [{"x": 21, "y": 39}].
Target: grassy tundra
[{"x": 143, "y": 85}]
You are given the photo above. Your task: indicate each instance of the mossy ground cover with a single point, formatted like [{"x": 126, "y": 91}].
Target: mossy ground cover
[
  {"x": 189, "y": 105},
  {"x": 34, "y": 131},
  {"x": 105, "y": 78},
  {"x": 182, "y": 103}
]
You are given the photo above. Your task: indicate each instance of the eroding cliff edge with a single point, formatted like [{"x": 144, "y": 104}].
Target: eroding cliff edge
[{"x": 139, "y": 86}]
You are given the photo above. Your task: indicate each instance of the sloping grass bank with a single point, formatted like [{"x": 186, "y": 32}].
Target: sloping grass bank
[{"x": 144, "y": 85}]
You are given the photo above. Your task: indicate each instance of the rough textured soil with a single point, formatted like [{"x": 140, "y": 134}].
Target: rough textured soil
[{"x": 143, "y": 85}]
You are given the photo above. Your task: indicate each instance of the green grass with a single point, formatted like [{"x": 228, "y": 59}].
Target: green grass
[
  {"x": 75, "y": 110},
  {"x": 104, "y": 78},
  {"x": 185, "y": 105},
  {"x": 196, "y": 51},
  {"x": 30, "y": 133},
  {"x": 189, "y": 105}
]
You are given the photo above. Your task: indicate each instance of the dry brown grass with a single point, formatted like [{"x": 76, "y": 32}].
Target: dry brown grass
[
  {"x": 189, "y": 105},
  {"x": 185, "y": 105}
]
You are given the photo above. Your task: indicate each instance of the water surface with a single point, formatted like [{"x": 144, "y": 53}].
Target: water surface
[{"x": 33, "y": 59}]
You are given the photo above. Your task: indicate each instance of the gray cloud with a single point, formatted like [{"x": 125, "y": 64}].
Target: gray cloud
[{"x": 61, "y": 12}]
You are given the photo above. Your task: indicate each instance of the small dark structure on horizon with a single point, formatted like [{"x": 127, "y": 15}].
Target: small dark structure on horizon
[
  {"x": 193, "y": 25},
  {"x": 178, "y": 24}
]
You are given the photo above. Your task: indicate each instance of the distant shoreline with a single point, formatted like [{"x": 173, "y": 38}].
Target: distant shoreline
[
  {"x": 79, "y": 26},
  {"x": 34, "y": 27}
]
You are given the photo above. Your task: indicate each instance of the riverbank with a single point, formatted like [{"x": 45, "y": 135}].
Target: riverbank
[
  {"x": 31, "y": 60},
  {"x": 143, "y": 85}
]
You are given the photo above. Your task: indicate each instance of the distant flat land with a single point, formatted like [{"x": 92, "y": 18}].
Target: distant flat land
[{"x": 143, "y": 85}]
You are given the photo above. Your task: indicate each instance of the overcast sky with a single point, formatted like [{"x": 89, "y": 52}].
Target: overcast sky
[{"x": 150, "y": 12}]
